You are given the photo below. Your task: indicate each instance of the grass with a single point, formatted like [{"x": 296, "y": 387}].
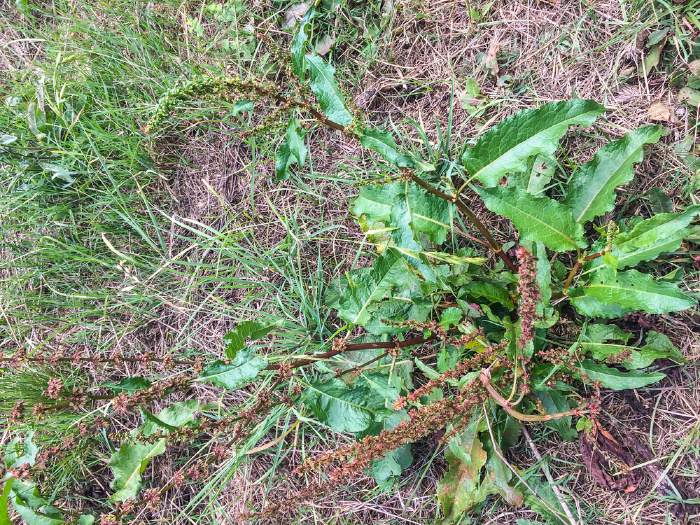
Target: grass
[{"x": 115, "y": 241}]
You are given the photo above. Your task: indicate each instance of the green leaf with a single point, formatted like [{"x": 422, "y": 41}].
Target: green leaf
[
  {"x": 298, "y": 47},
  {"x": 506, "y": 147},
  {"x": 632, "y": 289},
  {"x": 4, "y": 515},
  {"x": 86, "y": 519},
  {"x": 128, "y": 384},
  {"x": 386, "y": 470},
  {"x": 430, "y": 215},
  {"x": 324, "y": 86},
  {"x": 592, "y": 188},
  {"x": 243, "y": 369},
  {"x": 385, "y": 386},
  {"x": 383, "y": 143},
  {"x": 458, "y": 491},
  {"x": 498, "y": 477},
  {"x": 485, "y": 290},
  {"x": 170, "y": 418},
  {"x": 660, "y": 201},
  {"x": 538, "y": 175},
  {"x": 341, "y": 408},
  {"x": 128, "y": 463},
  {"x": 252, "y": 330},
  {"x": 388, "y": 271},
  {"x": 291, "y": 151},
  {"x": 49, "y": 516},
  {"x": 657, "y": 346},
  {"x": 242, "y": 105},
  {"x": 650, "y": 238},
  {"x": 536, "y": 218},
  {"x": 592, "y": 307},
  {"x": 17, "y": 454},
  {"x": 450, "y": 316},
  {"x": 617, "y": 379},
  {"x": 375, "y": 202},
  {"x": 283, "y": 160},
  {"x": 554, "y": 402}
]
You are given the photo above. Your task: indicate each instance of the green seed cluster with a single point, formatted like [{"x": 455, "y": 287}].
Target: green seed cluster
[{"x": 229, "y": 88}]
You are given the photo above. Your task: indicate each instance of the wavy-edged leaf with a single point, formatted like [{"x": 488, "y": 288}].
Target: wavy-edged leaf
[
  {"x": 383, "y": 143},
  {"x": 506, "y": 147},
  {"x": 374, "y": 202},
  {"x": 592, "y": 307},
  {"x": 632, "y": 289},
  {"x": 243, "y": 369},
  {"x": 49, "y": 515},
  {"x": 341, "y": 408},
  {"x": 491, "y": 292},
  {"x": 458, "y": 491},
  {"x": 128, "y": 384},
  {"x": 603, "y": 341},
  {"x": 430, "y": 215},
  {"x": 298, "y": 47},
  {"x": 169, "y": 419},
  {"x": 388, "y": 271},
  {"x": 252, "y": 330},
  {"x": 291, "y": 151},
  {"x": 592, "y": 188},
  {"x": 324, "y": 86},
  {"x": 651, "y": 237},
  {"x": 128, "y": 463},
  {"x": 617, "y": 379},
  {"x": 536, "y": 218}
]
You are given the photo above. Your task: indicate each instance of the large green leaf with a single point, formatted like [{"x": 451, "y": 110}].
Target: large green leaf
[
  {"x": 291, "y": 151},
  {"x": 48, "y": 515},
  {"x": 430, "y": 215},
  {"x": 341, "y": 408},
  {"x": 324, "y": 86},
  {"x": 536, "y": 218},
  {"x": 243, "y": 369},
  {"x": 388, "y": 271},
  {"x": 252, "y": 330},
  {"x": 506, "y": 147},
  {"x": 170, "y": 418},
  {"x": 649, "y": 238},
  {"x": 128, "y": 463},
  {"x": 375, "y": 202},
  {"x": 592, "y": 188},
  {"x": 383, "y": 143},
  {"x": 458, "y": 491},
  {"x": 298, "y": 47},
  {"x": 603, "y": 341},
  {"x": 4, "y": 515},
  {"x": 617, "y": 379},
  {"x": 491, "y": 292},
  {"x": 632, "y": 289}
]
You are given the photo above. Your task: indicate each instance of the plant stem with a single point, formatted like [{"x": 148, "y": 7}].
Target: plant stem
[
  {"x": 574, "y": 270},
  {"x": 485, "y": 377},
  {"x": 493, "y": 243},
  {"x": 363, "y": 346}
]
